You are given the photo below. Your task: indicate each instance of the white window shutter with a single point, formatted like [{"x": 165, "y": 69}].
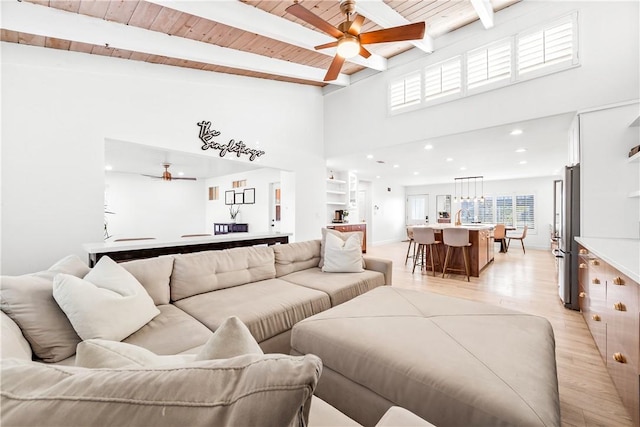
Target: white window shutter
[
  {"x": 489, "y": 64},
  {"x": 404, "y": 92},
  {"x": 546, "y": 47},
  {"x": 443, "y": 79}
]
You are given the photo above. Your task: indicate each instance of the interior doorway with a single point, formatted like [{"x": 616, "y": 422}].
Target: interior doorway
[{"x": 275, "y": 212}]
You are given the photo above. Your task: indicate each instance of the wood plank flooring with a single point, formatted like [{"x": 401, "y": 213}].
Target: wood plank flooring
[{"x": 528, "y": 283}]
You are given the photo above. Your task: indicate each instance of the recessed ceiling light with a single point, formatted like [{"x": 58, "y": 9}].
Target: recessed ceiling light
[
  {"x": 396, "y": 166},
  {"x": 378, "y": 176},
  {"x": 180, "y": 173},
  {"x": 523, "y": 162},
  {"x": 449, "y": 159},
  {"x": 108, "y": 168},
  {"x": 369, "y": 156},
  {"x": 416, "y": 173},
  {"x": 521, "y": 150},
  {"x": 428, "y": 147},
  {"x": 516, "y": 132},
  {"x": 463, "y": 168}
]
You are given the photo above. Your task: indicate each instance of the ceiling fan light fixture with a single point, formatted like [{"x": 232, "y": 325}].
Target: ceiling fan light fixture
[{"x": 348, "y": 46}]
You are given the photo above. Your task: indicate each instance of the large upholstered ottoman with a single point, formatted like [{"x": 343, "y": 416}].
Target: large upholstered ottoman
[{"x": 450, "y": 361}]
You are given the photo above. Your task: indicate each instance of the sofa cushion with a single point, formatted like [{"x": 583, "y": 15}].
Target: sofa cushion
[
  {"x": 171, "y": 332},
  {"x": 201, "y": 272},
  {"x": 108, "y": 303},
  {"x": 268, "y": 307},
  {"x": 14, "y": 343},
  {"x": 296, "y": 256},
  {"x": 251, "y": 390},
  {"x": 342, "y": 256},
  {"x": 231, "y": 339},
  {"x": 28, "y": 301},
  {"x": 341, "y": 287},
  {"x": 154, "y": 275}
]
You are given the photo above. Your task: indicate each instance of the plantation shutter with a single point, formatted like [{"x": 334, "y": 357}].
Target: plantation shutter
[
  {"x": 443, "y": 79},
  {"x": 546, "y": 47},
  {"x": 405, "y": 92},
  {"x": 485, "y": 210},
  {"x": 525, "y": 208},
  {"x": 504, "y": 210},
  {"x": 488, "y": 65}
]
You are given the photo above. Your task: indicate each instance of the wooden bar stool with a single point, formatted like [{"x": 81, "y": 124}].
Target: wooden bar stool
[
  {"x": 411, "y": 241},
  {"x": 425, "y": 238},
  {"x": 456, "y": 238}
]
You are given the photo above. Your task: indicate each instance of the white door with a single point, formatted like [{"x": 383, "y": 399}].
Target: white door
[
  {"x": 417, "y": 209},
  {"x": 274, "y": 211}
]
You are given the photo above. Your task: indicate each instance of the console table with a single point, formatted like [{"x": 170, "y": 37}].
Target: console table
[
  {"x": 231, "y": 227},
  {"x": 126, "y": 251}
]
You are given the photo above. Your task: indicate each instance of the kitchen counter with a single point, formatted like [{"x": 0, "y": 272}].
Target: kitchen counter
[
  {"x": 136, "y": 249},
  {"x": 622, "y": 254}
]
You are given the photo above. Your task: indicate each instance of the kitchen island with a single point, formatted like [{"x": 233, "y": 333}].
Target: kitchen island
[
  {"x": 481, "y": 251},
  {"x": 130, "y": 250}
]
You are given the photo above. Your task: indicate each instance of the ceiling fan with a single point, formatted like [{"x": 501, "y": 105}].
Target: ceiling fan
[
  {"x": 349, "y": 39},
  {"x": 166, "y": 175}
]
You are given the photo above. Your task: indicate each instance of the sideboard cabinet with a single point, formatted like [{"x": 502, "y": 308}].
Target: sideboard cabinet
[{"x": 610, "y": 304}]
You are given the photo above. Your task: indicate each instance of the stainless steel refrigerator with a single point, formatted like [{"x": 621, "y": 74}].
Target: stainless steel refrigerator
[{"x": 566, "y": 228}]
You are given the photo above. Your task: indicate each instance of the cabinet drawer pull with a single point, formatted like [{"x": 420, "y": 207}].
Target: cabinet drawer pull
[
  {"x": 596, "y": 317},
  {"x": 583, "y": 252},
  {"x": 595, "y": 262},
  {"x": 582, "y": 294},
  {"x": 596, "y": 281},
  {"x": 619, "y": 357},
  {"x": 618, "y": 281},
  {"x": 620, "y": 306},
  {"x": 582, "y": 265}
]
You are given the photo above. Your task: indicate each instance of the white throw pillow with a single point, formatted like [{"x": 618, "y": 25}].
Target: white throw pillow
[
  {"x": 231, "y": 339},
  {"x": 342, "y": 256},
  {"x": 109, "y": 303}
]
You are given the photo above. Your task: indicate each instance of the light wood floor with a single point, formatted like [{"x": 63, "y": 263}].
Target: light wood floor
[{"x": 527, "y": 282}]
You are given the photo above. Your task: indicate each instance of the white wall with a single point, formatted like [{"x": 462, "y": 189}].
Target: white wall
[
  {"x": 607, "y": 177},
  {"x": 388, "y": 223},
  {"x": 144, "y": 207},
  {"x": 541, "y": 188},
  {"x": 257, "y": 215},
  {"x": 59, "y": 107}
]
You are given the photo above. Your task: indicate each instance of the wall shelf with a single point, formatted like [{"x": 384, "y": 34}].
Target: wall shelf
[
  {"x": 635, "y": 193},
  {"x": 341, "y": 193},
  {"x": 635, "y": 158},
  {"x": 336, "y": 181},
  {"x": 336, "y": 203}
]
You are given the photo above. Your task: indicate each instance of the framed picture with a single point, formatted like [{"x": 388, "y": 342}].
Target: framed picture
[
  {"x": 249, "y": 196},
  {"x": 229, "y": 197},
  {"x": 239, "y": 198}
]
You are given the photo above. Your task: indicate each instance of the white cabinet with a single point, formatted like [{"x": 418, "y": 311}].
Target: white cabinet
[{"x": 635, "y": 161}]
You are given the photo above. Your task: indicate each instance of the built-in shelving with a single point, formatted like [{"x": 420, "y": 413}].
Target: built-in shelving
[
  {"x": 635, "y": 193},
  {"x": 635, "y": 158}
]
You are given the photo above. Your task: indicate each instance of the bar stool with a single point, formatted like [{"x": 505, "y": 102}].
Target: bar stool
[
  {"x": 426, "y": 240},
  {"x": 410, "y": 237},
  {"x": 456, "y": 238}
]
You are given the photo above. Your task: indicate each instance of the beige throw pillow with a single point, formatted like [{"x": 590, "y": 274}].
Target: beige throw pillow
[
  {"x": 109, "y": 303},
  {"x": 231, "y": 339},
  {"x": 342, "y": 256},
  {"x": 28, "y": 301},
  {"x": 343, "y": 235},
  {"x": 251, "y": 390}
]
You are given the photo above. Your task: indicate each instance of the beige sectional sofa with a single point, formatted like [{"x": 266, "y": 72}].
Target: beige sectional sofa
[{"x": 269, "y": 288}]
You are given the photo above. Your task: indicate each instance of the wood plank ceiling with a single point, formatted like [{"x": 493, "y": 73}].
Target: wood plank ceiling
[{"x": 161, "y": 18}]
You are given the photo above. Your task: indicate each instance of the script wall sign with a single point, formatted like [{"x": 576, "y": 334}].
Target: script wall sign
[{"x": 207, "y": 136}]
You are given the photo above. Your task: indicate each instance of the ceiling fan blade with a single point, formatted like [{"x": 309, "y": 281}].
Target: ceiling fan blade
[
  {"x": 326, "y": 45},
  {"x": 184, "y": 178},
  {"x": 394, "y": 34},
  {"x": 356, "y": 25},
  {"x": 309, "y": 17},
  {"x": 151, "y": 176},
  {"x": 334, "y": 68},
  {"x": 364, "y": 52}
]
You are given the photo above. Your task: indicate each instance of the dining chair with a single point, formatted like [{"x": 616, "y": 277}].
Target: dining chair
[
  {"x": 455, "y": 238},
  {"x": 411, "y": 241},
  {"x": 521, "y": 238},
  {"x": 425, "y": 238},
  {"x": 500, "y": 235}
]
